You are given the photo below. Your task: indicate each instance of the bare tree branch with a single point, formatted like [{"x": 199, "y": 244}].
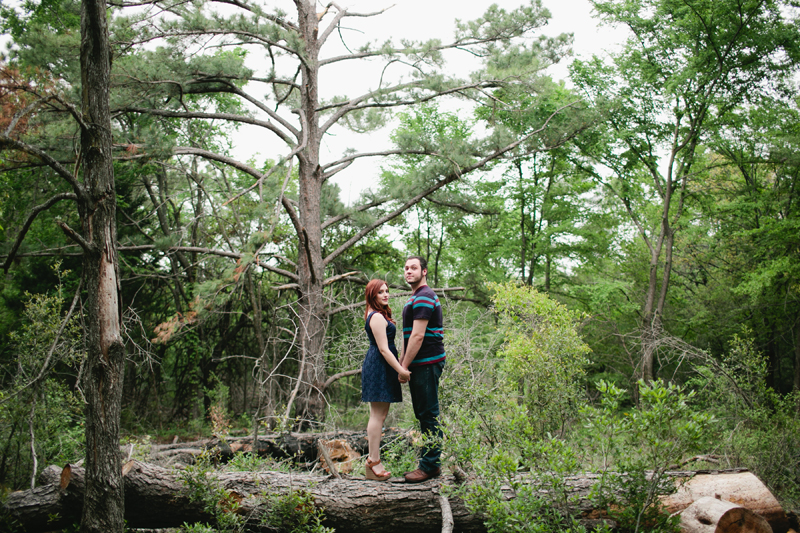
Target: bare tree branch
[
  {"x": 31, "y": 217},
  {"x": 189, "y": 150},
  {"x": 75, "y": 236},
  {"x": 288, "y": 286},
  {"x": 288, "y": 157},
  {"x": 340, "y": 277},
  {"x": 336, "y": 377},
  {"x": 331, "y": 169},
  {"x": 224, "y": 32},
  {"x": 210, "y": 251},
  {"x": 6, "y": 141},
  {"x": 461, "y": 207},
  {"x": 283, "y": 23},
  {"x": 358, "y": 304},
  {"x": 211, "y": 116},
  {"x": 338, "y": 218},
  {"x": 355, "y": 104},
  {"x": 458, "y": 45}
]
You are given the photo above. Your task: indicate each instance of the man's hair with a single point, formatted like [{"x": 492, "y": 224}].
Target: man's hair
[{"x": 423, "y": 263}]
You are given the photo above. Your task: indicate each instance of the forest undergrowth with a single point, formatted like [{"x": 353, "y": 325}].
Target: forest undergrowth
[{"x": 520, "y": 414}]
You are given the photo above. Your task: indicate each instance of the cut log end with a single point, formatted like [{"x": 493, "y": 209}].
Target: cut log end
[
  {"x": 66, "y": 476},
  {"x": 711, "y": 515}
]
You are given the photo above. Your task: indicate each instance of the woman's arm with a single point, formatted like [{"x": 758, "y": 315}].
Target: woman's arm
[{"x": 378, "y": 325}]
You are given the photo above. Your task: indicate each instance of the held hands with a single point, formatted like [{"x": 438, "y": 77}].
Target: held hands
[{"x": 404, "y": 376}]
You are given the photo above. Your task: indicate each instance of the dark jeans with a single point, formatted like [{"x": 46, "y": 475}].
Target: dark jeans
[{"x": 424, "y": 387}]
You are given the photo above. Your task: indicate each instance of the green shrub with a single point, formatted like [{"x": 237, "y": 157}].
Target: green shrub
[
  {"x": 543, "y": 358},
  {"x": 37, "y": 410},
  {"x": 760, "y": 429},
  {"x": 638, "y": 447},
  {"x": 216, "y": 501},
  {"x": 294, "y": 512},
  {"x": 501, "y": 412}
]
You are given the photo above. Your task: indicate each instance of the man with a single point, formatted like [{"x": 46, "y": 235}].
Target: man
[{"x": 423, "y": 355}]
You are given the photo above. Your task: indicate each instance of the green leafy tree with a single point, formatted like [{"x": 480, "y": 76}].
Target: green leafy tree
[
  {"x": 685, "y": 67},
  {"x": 298, "y": 112},
  {"x": 95, "y": 198},
  {"x": 166, "y": 97},
  {"x": 543, "y": 356},
  {"x": 41, "y": 417},
  {"x": 760, "y": 425},
  {"x": 755, "y": 212}
]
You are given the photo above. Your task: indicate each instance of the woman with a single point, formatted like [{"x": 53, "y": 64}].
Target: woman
[{"x": 379, "y": 373}]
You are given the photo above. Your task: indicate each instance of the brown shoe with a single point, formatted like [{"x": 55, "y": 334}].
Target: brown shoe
[{"x": 419, "y": 475}]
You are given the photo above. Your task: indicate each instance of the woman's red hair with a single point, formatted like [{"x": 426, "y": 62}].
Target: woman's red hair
[{"x": 371, "y": 296}]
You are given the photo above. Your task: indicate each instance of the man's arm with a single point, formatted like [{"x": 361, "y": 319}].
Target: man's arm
[{"x": 414, "y": 341}]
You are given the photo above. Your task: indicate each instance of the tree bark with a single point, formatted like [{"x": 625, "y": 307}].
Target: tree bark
[
  {"x": 310, "y": 402},
  {"x": 157, "y": 498},
  {"x": 796, "y": 384},
  {"x": 103, "y": 506}
]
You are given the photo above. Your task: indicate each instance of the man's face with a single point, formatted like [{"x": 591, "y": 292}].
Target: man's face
[{"x": 414, "y": 273}]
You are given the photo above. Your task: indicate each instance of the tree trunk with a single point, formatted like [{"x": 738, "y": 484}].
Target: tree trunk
[
  {"x": 796, "y": 384},
  {"x": 103, "y": 506},
  {"x": 310, "y": 402},
  {"x": 157, "y": 498},
  {"x": 650, "y": 324}
]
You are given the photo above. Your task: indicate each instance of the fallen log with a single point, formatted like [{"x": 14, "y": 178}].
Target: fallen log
[{"x": 156, "y": 497}]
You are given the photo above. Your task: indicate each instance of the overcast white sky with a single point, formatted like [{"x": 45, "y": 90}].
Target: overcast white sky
[
  {"x": 421, "y": 19},
  {"x": 426, "y": 19}
]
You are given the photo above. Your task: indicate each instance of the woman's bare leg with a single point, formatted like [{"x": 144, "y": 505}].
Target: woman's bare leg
[{"x": 377, "y": 415}]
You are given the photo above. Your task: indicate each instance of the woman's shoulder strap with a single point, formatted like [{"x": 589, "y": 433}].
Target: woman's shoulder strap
[{"x": 374, "y": 313}]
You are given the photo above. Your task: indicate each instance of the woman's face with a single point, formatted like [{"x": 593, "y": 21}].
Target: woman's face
[{"x": 383, "y": 294}]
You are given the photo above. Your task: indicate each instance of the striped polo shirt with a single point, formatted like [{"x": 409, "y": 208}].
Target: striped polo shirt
[{"x": 424, "y": 305}]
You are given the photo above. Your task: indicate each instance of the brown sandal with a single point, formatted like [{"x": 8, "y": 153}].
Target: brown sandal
[{"x": 370, "y": 473}]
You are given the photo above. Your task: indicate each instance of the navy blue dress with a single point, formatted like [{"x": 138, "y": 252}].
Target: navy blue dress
[{"x": 379, "y": 380}]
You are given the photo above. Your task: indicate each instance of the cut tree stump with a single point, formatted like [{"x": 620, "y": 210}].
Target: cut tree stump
[
  {"x": 156, "y": 498},
  {"x": 710, "y": 515}
]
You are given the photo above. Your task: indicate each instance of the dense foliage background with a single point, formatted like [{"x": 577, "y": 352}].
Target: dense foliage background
[{"x": 623, "y": 241}]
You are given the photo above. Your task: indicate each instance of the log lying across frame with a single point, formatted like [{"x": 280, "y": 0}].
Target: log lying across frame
[{"x": 155, "y": 497}]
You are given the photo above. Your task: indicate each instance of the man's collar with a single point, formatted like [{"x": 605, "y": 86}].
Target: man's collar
[{"x": 414, "y": 291}]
